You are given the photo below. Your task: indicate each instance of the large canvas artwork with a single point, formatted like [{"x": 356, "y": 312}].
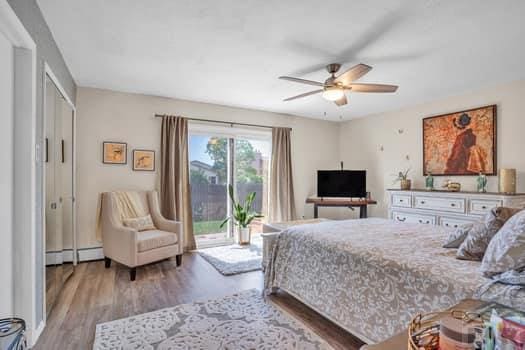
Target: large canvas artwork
[{"x": 462, "y": 143}]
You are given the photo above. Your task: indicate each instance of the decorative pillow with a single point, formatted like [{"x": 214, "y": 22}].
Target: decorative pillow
[
  {"x": 478, "y": 238},
  {"x": 457, "y": 236},
  {"x": 143, "y": 223},
  {"x": 506, "y": 251}
]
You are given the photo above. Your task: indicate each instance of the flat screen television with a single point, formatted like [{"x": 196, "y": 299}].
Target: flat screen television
[{"x": 341, "y": 183}]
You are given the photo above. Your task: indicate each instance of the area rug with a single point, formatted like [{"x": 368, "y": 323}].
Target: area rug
[
  {"x": 240, "y": 321},
  {"x": 234, "y": 259}
]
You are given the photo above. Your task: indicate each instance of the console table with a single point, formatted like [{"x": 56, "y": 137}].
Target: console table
[{"x": 362, "y": 204}]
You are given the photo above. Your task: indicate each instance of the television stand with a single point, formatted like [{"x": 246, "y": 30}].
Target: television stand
[{"x": 362, "y": 204}]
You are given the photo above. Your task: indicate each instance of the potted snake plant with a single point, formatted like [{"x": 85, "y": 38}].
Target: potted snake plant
[{"x": 242, "y": 216}]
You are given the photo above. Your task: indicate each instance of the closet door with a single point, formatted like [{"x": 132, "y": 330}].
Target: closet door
[
  {"x": 53, "y": 245},
  {"x": 66, "y": 197},
  {"x": 57, "y": 201},
  {"x": 59, "y": 160}
]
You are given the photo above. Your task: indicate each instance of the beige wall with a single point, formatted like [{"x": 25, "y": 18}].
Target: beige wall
[
  {"x": 104, "y": 115},
  {"x": 361, "y": 139}
]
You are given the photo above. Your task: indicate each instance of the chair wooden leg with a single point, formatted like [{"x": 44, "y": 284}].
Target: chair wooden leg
[
  {"x": 107, "y": 262},
  {"x": 178, "y": 259},
  {"x": 132, "y": 273}
]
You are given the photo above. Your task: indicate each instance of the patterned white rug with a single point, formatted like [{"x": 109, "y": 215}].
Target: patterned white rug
[
  {"x": 240, "y": 321},
  {"x": 234, "y": 259}
]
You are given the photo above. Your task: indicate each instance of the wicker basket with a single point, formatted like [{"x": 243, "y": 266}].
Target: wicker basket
[{"x": 423, "y": 331}]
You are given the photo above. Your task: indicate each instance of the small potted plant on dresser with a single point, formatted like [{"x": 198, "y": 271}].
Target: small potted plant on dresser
[
  {"x": 242, "y": 216},
  {"x": 402, "y": 178}
]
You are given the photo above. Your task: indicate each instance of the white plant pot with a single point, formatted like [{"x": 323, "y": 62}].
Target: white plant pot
[{"x": 243, "y": 235}]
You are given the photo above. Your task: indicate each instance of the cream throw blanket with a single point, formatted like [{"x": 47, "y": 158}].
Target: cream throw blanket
[{"x": 129, "y": 206}]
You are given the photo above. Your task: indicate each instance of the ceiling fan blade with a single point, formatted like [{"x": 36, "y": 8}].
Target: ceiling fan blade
[
  {"x": 302, "y": 81},
  {"x": 372, "y": 88},
  {"x": 303, "y": 95},
  {"x": 341, "y": 102},
  {"x": 353, "y": 73}
]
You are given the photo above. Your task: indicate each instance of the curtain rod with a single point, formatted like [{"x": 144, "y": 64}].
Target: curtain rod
[{"x": 222, "y": 122}]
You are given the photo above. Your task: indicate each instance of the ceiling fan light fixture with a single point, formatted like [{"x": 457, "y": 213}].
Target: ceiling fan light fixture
[{"x": 333, "y": 93}]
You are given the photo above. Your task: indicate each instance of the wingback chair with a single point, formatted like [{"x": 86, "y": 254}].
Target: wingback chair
[{"x": 132, "y": 248}]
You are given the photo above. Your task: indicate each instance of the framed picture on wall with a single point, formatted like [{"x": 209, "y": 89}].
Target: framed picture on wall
[
  {"x": 461, "y": 143},
  {"x": 114, "y": 152},
  {"x": 143, "y": 160}
]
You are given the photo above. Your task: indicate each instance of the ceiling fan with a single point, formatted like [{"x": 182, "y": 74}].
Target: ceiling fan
[{"x": 334, "y": 88}]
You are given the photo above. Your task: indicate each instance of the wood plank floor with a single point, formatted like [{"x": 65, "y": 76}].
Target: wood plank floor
[{"x": 95, "y": 294}]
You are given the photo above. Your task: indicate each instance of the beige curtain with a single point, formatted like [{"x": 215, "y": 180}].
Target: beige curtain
[
  {"x": 175, "y": 193},
  {"x": 282, "y": 203}
]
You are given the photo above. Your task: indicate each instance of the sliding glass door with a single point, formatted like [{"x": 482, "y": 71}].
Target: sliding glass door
[
  {"x": 251, "y": 174},
  {"x": 209, "y": 159},
  {"x": 216, "y": 161}
]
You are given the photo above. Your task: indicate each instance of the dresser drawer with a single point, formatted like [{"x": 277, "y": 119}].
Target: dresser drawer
[
  {"x": 482, "y": 206},
  {"x": 456, "y": 205},
  {"x": 413, "y": 218},
  {"x": 402, "y": 200},
  {"x": 454, "y": 222}
]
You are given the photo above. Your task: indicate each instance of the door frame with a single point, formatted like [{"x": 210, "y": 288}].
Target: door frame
[
  {"x": 24, "y": 167},
  {"x": 48, "y": 72}
]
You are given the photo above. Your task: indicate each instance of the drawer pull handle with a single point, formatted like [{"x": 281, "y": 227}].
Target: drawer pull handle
[
  {"x": 452, "y": 204},
  {"x": 401, "y": 219},
  {"x": 422, "y": 202},
  {"x": 424, "y": 222},
  {"x": 400, "y": 201},
  {"x": 483, "y": 207},
  {"x": 455, "y": 226}
]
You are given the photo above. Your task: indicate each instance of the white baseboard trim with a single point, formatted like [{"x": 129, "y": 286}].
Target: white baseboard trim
[{"x": 34, "y": 334}]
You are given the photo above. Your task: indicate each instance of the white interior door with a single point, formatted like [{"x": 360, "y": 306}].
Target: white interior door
[{"x": 6, "y": 175}]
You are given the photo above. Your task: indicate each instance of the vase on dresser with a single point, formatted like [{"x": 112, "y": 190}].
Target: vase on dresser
[{"x": 507, "y": 180}]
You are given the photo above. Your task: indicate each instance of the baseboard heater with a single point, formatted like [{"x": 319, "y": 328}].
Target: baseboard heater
[{"x": 66, "y": 255}]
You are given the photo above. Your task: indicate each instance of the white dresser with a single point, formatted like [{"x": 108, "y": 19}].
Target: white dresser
[{"x": 445, "y": 208}]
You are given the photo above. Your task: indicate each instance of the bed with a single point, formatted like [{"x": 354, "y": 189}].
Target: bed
[{"x": 370, "y": 276}]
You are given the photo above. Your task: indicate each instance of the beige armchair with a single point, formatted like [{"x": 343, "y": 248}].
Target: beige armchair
[{"x": 133, "y": 248}]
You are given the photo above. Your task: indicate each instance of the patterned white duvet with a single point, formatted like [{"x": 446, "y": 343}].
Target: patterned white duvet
[{"x": 371, "y": 276}]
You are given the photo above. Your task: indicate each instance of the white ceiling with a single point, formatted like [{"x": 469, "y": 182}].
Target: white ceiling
[{"x": 231, "y": 52}]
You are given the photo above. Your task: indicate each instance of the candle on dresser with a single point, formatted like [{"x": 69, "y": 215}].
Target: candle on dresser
[{"x": 507, "y": 180}]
